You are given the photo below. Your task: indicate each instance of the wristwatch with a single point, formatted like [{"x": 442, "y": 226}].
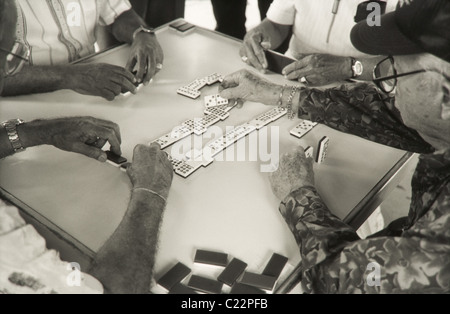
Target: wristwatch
[
  {"x": 11, "y": 130},
  {"x": 143, "y": 29},
  {"x": 357, "y": 68}
]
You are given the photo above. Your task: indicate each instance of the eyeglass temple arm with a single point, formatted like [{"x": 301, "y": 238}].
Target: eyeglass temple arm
[{"x": 397, "y": 75}]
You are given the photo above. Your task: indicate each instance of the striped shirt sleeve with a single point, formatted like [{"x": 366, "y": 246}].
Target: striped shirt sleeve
[{"x": 109, "y": 10}]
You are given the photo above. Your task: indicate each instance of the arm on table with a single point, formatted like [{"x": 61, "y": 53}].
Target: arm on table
[
  {"x": 84, "y": 135},
  {"x": 98, "y": 79},
  {"x": 324, "y": 69},
  {"x": 124, "y": 264},
  {"x": 335, "y": 260},
  {"x": 359, "y": 109}
]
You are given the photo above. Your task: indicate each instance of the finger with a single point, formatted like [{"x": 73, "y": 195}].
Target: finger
[
  {"x": 125, "y": 84},
  {"x": 141, "y": 68},
  {"x": 232, "y": 80},
  {"x": 251, "y": 57},
  {"x": 99, "y": 143},
  {"x": 114, "y": 88},
  {"x": 315, "y": 80},
  {"x": 89, "y": 151},
  {"x": 242, "y": 52},
  {"x": 108, "y": 124},
  {"x": 240, "y": 104},
  {"x": 300, "y": 151},
  {"x": 296, "y": 66},
  {"x": 159, "y": 59},
  {"x": 231, "y": 93},
  {"x": 110, "y": 136},
  {"x": 151, "y": 69},
  {"x": 125, "y": 73},
  {"x": 298, "y": 74},
  {"x": 131, "y": 63},
  {"x": 155, "y": 145},
  {"x": 259, "y": 50},
  {"x": 107, "y": 94}
]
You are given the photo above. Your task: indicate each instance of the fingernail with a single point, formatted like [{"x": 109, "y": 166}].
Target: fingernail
[
  {"x": 159, "y": 66},
  {"x": 102, "y": 158}
]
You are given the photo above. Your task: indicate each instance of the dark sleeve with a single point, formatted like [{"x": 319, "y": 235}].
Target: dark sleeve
[
  {"x": 359, "y": 109},
  {"x": 335, "y": 260}
]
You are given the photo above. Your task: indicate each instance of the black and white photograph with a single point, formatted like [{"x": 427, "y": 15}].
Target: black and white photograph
[{"x": 234, "y": 154}]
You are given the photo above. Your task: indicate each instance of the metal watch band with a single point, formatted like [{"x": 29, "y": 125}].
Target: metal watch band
[
  {"x": 143, "y": 29},
  {"x": 11, "y": 130}
]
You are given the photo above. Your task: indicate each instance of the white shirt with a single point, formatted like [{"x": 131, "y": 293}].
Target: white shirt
[
  {"x": 311, "y": 20},
  {"x": 62, "y": 31},
  {"x": 28, "y": 267}
]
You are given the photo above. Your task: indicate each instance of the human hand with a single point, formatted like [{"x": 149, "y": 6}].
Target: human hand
[
  {"x": 151, "y": 169},
  {"x": 294, "y": 171},
  {"x": 252, "y": 50},
  {"x": 319, "y": 69},
  {"x": 100, "y": 79},
  {"x": 246, "y": 86},
  {"x": 84, "y": 135},
  {"x": 146, "y": 56}
]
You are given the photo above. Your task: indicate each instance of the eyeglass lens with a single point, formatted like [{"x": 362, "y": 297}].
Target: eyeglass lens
[
  {"x": 386, "y": 69},
  {"x": 16, "y": 58}
]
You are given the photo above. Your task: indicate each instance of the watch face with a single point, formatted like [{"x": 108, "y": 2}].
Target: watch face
[{"x": 358, "y": 68}]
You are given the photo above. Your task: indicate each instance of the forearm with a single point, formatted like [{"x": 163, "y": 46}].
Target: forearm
[
  {"x": 125, "y": 25},
  {"x": 359, "y": 109},
  {"x": 318, "y": 233},
  {"x": 36, "y": 79},
  {"x": 125, "y": 262},
  {"x": 277, "y": 33}
]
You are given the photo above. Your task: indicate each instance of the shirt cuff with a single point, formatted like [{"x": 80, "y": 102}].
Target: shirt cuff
[{"x": 110, "y": 10}]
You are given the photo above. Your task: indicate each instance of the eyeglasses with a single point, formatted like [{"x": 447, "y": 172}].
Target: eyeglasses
[
  {"x": 388, "y": 83},
  {"x": 16, "y": 58}
]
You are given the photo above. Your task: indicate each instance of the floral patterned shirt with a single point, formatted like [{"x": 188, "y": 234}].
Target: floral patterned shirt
[{"x": 413, "y": 257}]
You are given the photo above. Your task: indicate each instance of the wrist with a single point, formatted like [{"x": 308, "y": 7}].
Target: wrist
[
  {"x": 151, "y": 193},
  {"x": 33, "y": 133},
  {"x": 143, "y": 32},
  {"x": 269, "y": 93},
  {"x": 68, "y": 76}
]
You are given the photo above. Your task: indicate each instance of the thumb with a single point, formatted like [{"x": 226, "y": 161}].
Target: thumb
[
  {"x": 131, "y": 63},
  {"x": 90, "y": 151},
  {"x": 300, "y": 152},
  {"x": 266, "y": 44},
  {"x": 300, "y": 56}
]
